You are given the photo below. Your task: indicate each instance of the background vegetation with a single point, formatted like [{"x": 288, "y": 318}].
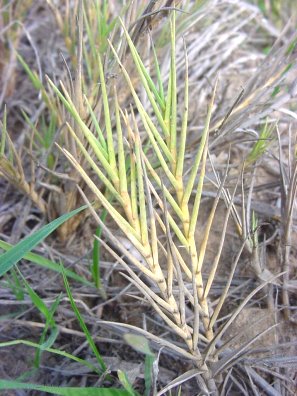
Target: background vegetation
[{"x": 148, "y": 158}]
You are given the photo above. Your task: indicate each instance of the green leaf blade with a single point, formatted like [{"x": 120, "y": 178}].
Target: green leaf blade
[{"x": 14, "y": 255}]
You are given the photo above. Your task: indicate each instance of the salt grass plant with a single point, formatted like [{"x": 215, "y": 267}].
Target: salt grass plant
[{"x": 137, "y": 171}]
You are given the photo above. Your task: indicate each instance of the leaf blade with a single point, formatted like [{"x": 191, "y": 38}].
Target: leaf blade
[{"x": 14, "y": 255}]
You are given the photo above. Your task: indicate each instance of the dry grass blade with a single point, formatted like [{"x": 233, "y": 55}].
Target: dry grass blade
[
  {"x": 236, "y": 355},
  {"x": 157, "y": 340},
  {"x": 207, "y": 231},
  {"x": 220, "y": 333},
  {"x": 263, "y": 384},
  {"x": 279, "y": 62},
  {"x": 288, "y": 194},
  {"x": 224, "y": 294},
  {"x": 151, "y": 17},
  {"x": 180, "y": 380}
]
